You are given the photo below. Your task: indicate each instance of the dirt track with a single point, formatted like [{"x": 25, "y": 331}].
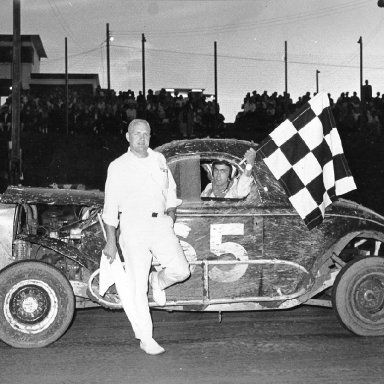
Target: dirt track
[{"x": 304, "y": 345}]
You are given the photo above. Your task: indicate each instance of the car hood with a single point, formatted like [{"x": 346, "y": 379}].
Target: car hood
[{"x": 34, "y": 195}]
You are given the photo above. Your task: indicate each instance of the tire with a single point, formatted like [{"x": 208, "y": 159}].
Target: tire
[
  {"x": 36, "y": 304},
  {"x": 358, "y": 296}
]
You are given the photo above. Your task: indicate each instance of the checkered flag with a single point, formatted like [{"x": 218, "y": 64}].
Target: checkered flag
[{"x": 305, "y": 154}]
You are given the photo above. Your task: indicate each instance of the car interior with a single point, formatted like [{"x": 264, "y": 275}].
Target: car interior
[{"x": 193, "y": 173}]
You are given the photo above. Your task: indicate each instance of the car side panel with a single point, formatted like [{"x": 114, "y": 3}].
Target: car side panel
[
  {"x": 237, "y": 238},
  {"x": 220, "y": 238},
  {"x": 7, "y": 215}
]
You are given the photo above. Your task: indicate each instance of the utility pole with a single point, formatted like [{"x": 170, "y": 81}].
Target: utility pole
[
  {"x": 215, "y": 128},
  {"x": 66, "y": 89},
  {"x": 15, "y": 151},
  {"x": 108, "y": 62},
  {"x": 317, "y": 81},
  {"x": 143, "y": 60},
  {"x": 286, "y": 78},
  {"x": 362, "y": 96},
  {"x": 286, "y": 67}
]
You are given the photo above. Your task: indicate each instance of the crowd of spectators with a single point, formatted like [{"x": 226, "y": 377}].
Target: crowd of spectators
[
  {"x": 261, "y": 113},
  {"x": 177, "y": 115},
  {"x": 109, "y": 112}
]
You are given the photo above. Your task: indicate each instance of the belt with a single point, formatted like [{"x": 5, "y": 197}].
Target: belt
[{"x": 157, "y": 214}]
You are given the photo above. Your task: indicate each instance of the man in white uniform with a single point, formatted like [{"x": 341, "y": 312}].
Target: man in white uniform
[
  {"x": 225, "y": 185},
  {"x": 140, "y": 196}
]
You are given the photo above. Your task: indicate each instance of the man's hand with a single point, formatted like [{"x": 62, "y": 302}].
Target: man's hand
[
  {"x": 172, "y": 213},
  {"x": 250, "y": 156},
  {"x": 110, "y": 248},
  {"x": 110, "y": 251}
]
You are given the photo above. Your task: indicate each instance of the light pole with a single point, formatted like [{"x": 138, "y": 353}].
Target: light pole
[
  {"x": 108, "y": 62},
  {"x": 15, "y": 151},
  {"x": 216, "y": 122},
  {"x": 66, "y": 88},
  {"x": 143, "y": 40},
  {"x": 317, "y": 81},
  {"x": 362, "y": 96},
  {"x": 286, "y": 67}
]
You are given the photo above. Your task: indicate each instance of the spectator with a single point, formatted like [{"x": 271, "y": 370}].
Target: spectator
[
  {"x": 367, "y": 89},
  {"x": 6, "y": 118}
]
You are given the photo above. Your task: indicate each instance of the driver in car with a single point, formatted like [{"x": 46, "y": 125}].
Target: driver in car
[{"x": 225, "y": 184}]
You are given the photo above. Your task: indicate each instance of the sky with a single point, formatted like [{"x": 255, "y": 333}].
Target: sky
[{"x": 180, "y": 35}]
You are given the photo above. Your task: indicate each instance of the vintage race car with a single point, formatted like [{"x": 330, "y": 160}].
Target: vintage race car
[{"x": 245, "y": 254}]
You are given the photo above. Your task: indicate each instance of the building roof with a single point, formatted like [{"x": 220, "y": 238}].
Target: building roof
[
  {"x": 61, "y": 76},
  {"x": 34, "y": 39},
  {"x": 184, "y": 90}
]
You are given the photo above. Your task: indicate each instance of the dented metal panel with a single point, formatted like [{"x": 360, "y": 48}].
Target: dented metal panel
[
  {"x": 51, "y": 196},
  {"x": 62, "y": 248},
  {"x": 7, "y": 217}
]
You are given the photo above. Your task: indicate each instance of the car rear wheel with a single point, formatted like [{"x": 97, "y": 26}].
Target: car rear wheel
[
  {"x": 358, "y": 296},
  {"x": 36, "y": 304}
]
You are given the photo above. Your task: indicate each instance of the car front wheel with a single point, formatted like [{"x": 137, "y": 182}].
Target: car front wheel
[
  {"x": 36, "y": 304},
  {"x": 358, "y": 296}
]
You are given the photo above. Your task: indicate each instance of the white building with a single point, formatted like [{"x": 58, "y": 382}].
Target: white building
[{"x": 32, "y": 51}]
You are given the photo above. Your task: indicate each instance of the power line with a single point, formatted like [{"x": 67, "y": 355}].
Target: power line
[
  {"x": 77, "y": 54},
  {"x": 371, "y": 36},
  {"x": 210, "y": 55},
  {"x": 258, "y": 59},
  {"x": 67, "y": 29},
  {"x": 278, "y": 21}
]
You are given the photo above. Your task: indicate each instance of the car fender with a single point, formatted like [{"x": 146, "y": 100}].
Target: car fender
[
  {"x": 324, "y": 276},
  {"x": 7, "y": 217},
  {"x": 337, "y": 247}
]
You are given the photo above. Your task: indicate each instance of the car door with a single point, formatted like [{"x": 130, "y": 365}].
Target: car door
[
  {"x": 230, "y": 242},
  {"x": 219, "y": 237}
]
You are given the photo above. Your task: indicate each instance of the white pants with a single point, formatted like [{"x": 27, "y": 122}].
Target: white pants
[{"x": 140, "y": 239}]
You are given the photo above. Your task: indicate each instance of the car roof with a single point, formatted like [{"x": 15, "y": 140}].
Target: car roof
[{"x": 233, "y": 147}]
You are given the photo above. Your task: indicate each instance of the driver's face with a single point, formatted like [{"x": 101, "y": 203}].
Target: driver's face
[{"x": 220, "y": 174}]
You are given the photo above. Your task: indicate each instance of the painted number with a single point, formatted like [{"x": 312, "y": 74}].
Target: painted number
[
  {"x": 183, "y": 230},
  {"x": 227, "y": 251},
  {"x": 223, "y": 250}
]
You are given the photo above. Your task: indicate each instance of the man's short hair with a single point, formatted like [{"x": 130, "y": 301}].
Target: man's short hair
[{"x": 135, "y": 122}]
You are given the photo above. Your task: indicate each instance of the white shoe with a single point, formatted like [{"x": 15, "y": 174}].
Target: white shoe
[
  {"x": 151, "y": 347},
  {"x": 158, "y": 294}
]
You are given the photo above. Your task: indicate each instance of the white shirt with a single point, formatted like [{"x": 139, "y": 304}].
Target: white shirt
[
  {"x": 138, "y": 186},
  {"x": 239, "y": 188}
]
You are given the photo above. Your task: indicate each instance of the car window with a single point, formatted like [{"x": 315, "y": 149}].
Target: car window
[
  {"x": 193, "y": 174},
  {"x": 187, "y": 175}
]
